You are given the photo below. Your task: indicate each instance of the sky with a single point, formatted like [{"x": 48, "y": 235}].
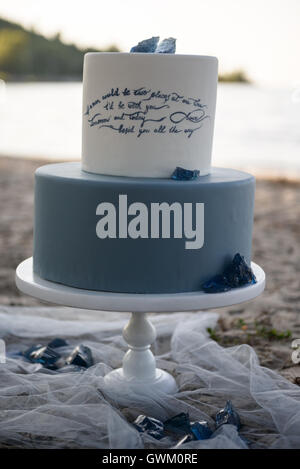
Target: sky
[{"x": 260, "y": 36}]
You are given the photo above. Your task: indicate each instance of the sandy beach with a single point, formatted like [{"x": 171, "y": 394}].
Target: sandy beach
[{"x": 268, "y": 323}]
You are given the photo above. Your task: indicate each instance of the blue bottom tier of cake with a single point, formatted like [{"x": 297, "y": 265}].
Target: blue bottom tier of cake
[{"x": 108, "y": 233}]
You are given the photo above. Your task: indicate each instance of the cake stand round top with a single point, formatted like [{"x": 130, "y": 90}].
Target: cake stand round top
[{"x": 30, "y": 283}]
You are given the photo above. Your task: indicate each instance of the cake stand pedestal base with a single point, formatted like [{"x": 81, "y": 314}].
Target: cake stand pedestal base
[
  {"x": 139, "y": 365},
  {"x": 162, "y": 382}
]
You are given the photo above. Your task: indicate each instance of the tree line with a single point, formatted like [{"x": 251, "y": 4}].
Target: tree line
[{"x": 27, "y": 55}]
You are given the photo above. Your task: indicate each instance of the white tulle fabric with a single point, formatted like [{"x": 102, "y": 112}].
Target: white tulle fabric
[{"x": 45, "y": 409}]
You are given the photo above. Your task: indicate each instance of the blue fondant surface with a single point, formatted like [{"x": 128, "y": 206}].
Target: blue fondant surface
[{"x": 68, "y": 251}]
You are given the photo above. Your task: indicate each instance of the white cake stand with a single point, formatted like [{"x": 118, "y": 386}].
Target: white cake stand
[{"x": 139, "y": 366}]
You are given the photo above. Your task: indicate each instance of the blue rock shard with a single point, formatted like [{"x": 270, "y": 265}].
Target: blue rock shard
[
  {"x": 81, "y": 356},
  {"x": 200, "y": 430},
  {"x": 237, "y": 274},
  {"x": 167, "y": 46},
  {"x": 57, "y": 342},
  {"x": 217, "y": 284},
  {"x": 149, "y": 425},
  {"x": 228, "y": 415},
  {"x": 179, "y": 424},
  {"x": 27, "y": 353},
  {"x": 44, "y": 355},
  {"x": 146, "y": 46},
  {"x": 181, "y": 174}
]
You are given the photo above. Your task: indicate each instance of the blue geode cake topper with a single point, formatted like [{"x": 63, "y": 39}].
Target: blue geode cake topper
[
  {"x": 182, "y": 174},
  {"x": 166, "y": 46},
  {"x": 236, "y": 275},
  {"x": 151, "y": 46}
]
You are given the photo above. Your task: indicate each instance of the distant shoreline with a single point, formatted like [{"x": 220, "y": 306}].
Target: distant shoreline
[
  {"x": 232, "y": 77},
  {"x": 261, "y": 175},
  {"x": 45, "y": 79},
  {"x": 21, "y": 50},
  {"x": 235, "y": 76}
]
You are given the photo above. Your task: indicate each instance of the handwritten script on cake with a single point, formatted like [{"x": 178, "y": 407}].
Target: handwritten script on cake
[{"x": 142, "y": 111}]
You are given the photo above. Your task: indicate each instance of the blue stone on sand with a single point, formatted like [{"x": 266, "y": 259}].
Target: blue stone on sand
[
  {"x": 44, "y": 355},
  {"x": 149, "y": 425},
  {"x": 27, "y": 353},
  {"x": 81, "y": 356},
  {"x": 167, "y": 46},
  {"x": 57, "y": 342},
  {"x": 201, "y": 430},
  {"x": 181, "y": 174},
  {"x": 180, "y": 424},
  {"x": 198, "y": 431},
  {"x": 228, "y": 415},
  {"x": 146, "y": 46}
]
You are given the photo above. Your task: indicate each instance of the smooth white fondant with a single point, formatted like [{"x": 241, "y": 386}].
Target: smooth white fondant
[{"x": 145, "y": 114}]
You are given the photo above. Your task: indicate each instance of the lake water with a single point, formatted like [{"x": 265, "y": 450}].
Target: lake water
[{"x": 257, "y": 129}]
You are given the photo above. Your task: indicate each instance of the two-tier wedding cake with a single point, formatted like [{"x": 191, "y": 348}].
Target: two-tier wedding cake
[{"x": 118, "y": 221}]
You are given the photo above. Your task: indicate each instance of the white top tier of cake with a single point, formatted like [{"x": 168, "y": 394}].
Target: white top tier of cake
[{"x": 145, "y": 114}]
